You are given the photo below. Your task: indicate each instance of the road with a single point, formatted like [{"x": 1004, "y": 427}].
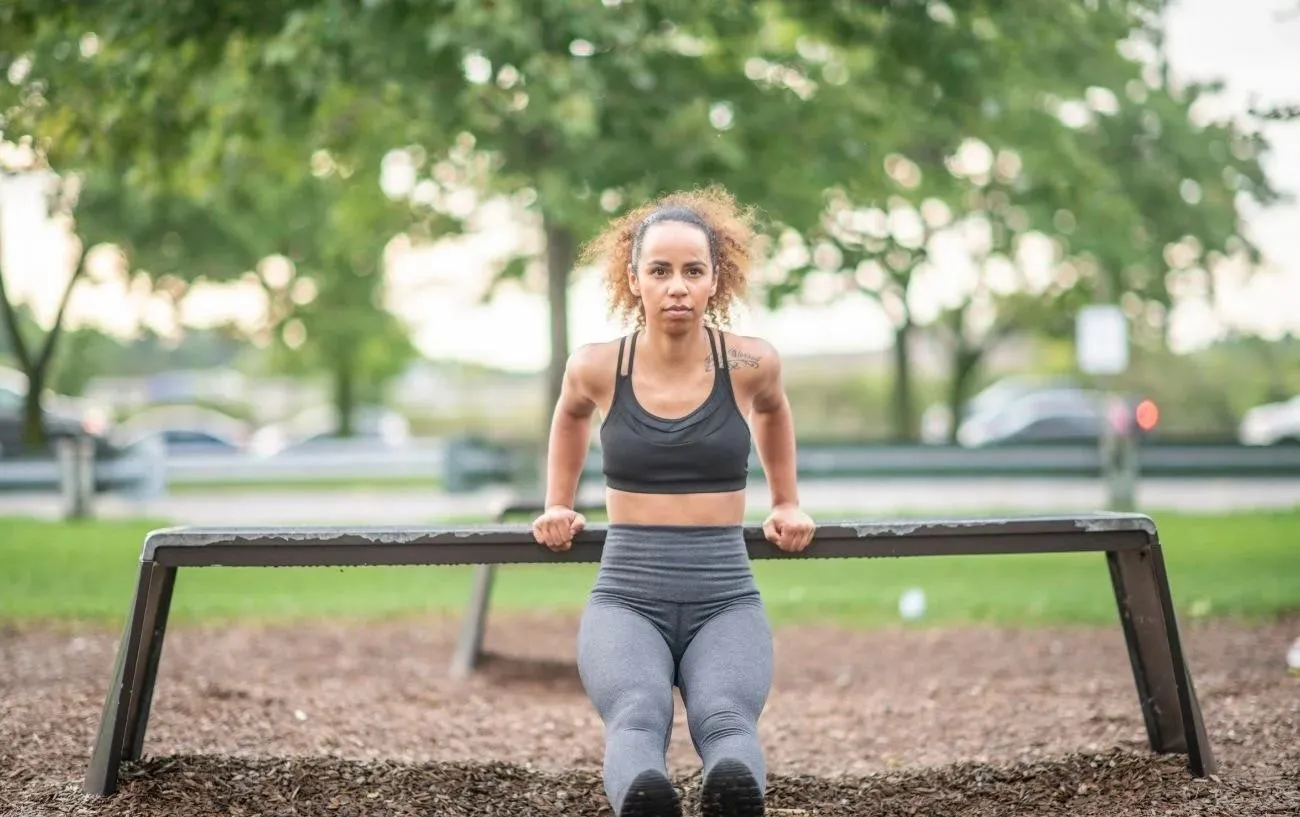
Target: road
[{"x": 840, "y": 498}]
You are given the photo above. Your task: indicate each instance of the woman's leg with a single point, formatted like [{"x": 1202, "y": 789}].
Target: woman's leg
[
  {"x": 725, "y": 678},
  {"x": 627, "y": 670}
]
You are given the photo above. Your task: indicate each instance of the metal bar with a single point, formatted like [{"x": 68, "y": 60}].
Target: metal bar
[
  {"x": 159, "y": 606},
  {"x": 202, "y": 537},
  {"x": 102, "y": 772},
  {"x": 497, "y": 551}
]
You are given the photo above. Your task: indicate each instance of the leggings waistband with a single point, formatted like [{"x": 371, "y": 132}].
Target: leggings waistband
[{"x": 680, "y": 563}]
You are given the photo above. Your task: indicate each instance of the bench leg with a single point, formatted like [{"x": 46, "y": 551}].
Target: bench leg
[
  {"x": 160, "y": 602},
  {"x": 1164, "y": 683},
  {"x": 469, "y": 645},
  {"x": 131, "y": 676}
]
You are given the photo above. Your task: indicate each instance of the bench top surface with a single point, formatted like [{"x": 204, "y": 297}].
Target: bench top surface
[{"x": 489, "y": 534}]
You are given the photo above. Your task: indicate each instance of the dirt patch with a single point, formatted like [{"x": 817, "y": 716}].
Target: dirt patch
[{"x": 362, "y": 719}]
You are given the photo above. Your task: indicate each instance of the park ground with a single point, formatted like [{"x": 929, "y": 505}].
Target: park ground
[{"x": 325, "y": 691}]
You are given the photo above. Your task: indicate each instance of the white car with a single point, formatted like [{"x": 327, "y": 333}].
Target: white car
[{"x": 1271, "y": 423}]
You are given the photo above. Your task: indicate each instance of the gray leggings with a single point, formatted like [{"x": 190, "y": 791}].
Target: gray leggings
[{"x": 675, "y": 606}]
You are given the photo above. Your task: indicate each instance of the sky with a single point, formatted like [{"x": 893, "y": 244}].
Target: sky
[{"x": 1247, "y": 44}]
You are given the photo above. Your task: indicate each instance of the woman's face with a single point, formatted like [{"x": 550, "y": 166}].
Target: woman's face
[{"x": 674, "y": 275}]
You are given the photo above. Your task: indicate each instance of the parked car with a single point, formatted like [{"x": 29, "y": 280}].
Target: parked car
[
  {"x": 184, "y": 430},
  {"x": 1271, "y": 424},
  {"x": 1068, "y": 415},
  {"x": 56, "y": 423},
  {"x": 937, "y": 421},
  {"x": 315, "y": 430}
]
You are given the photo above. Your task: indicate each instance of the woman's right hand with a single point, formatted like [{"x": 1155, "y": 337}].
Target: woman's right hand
[{"x": 557, "y": 526}]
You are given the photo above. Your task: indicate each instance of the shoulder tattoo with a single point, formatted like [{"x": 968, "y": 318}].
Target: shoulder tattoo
[{"x": 736, "y": 359}]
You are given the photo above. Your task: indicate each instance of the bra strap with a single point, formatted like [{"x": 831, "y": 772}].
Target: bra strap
[{"x": 631, "y": 356}]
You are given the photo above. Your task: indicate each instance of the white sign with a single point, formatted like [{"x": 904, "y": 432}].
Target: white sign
[{"x": 1101, "y": 340}]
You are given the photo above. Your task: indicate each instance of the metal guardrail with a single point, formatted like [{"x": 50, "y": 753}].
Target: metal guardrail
[
  {"x": 1058, "y": 460},
  {"x": 461, "y": 465},
  {"x": 832, "y": 461},
  {"x": 141, "y": 471}
]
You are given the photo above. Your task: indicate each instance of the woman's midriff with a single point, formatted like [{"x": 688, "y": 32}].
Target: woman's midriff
[{"x": 675, "y": 509}]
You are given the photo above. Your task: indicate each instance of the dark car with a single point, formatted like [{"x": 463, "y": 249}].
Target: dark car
[
  {"x": 1063, "y": 415},
  {"x": 56, "y": 424}
]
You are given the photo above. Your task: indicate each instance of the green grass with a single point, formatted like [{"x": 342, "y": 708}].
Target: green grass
[{"x": 1241, "y": 565}]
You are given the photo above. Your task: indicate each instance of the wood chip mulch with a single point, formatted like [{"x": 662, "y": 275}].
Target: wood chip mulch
[{"x": 361, "y": 719}]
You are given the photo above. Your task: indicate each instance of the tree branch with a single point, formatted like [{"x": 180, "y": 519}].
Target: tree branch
[
  {"x": 52, "y": 337},
  {"x": 10, "y": 314}
]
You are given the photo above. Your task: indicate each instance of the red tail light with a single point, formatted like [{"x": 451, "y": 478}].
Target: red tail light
[{"x": 1147, "y": 415}]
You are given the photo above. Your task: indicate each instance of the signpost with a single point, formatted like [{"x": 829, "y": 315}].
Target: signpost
[{"x": 1102, "y": 349}]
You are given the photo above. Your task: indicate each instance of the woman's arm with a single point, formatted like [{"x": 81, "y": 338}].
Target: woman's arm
[
  {"x": 772, "y": 421},
  {"x": 773, "y": 425},
  {"x": 570, "y": 433}
]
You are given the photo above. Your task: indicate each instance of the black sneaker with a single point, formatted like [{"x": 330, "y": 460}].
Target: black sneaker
[
  {"x": 730, "y": 790},
  {"x": 651, "y": 795}
]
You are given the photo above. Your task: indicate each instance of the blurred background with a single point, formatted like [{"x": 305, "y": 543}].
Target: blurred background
[{"x": 302, "y": 246}]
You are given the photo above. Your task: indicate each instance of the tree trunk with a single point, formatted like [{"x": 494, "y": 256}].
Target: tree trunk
[
  {"x": 561, "y": 255},
  {"x": 345, "y": 395},
  {"x": 33, "y": 428},
  {"x": 903, "y": 419},
  {"x": 965, "y": 363},
  {"x": 36, "y": 367}
]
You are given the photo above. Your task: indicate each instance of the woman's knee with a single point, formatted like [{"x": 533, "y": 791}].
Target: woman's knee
[
  {"x": 643, "y": 709},
  {"x": 724, "y": 719}
]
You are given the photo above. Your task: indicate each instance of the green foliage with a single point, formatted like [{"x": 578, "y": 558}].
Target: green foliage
[
  {"x": 119, "y": 166},
  {"x": 210, "y": 137},
  {"x": 1046, "y": 129},
  {"x": 245, "y": 136}
]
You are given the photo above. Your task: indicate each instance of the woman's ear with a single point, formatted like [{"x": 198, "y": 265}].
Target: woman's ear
[{"x": 632, "y": 282}]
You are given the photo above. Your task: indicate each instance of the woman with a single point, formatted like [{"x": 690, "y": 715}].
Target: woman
[{"x": 674, "y": 602}]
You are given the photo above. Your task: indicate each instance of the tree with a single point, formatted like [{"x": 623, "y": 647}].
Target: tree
[
  {"x": 1016, "y": 168},
  {"x": 581, "y": 107},
  {"x": 1132, "y": 199},
  {"x": 114, "y": 177},
  {"x": 163, "y": 238},
  {"x": 325, "y": 217},
  {"x": 250, "y": 156},
  {"x": 584, "y": 109},
  {"x": 327, "y": 293}
]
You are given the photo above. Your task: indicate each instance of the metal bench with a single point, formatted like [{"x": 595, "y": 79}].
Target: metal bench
[{"x": 1133, "y": 554}]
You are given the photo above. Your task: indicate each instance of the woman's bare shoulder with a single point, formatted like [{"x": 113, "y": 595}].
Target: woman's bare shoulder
[
  {"x": 593, "y": 364},
  {"x": 750, "y": 353}
]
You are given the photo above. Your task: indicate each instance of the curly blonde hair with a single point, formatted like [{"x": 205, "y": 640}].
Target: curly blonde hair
[{"x": 731, "y": 231}]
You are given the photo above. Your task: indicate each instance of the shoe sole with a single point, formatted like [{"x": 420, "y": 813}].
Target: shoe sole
[
  {"x": 731, "y": 791},
  {"x": 651, "y": 795}
]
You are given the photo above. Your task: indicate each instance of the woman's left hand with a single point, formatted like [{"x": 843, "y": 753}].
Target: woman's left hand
[{"x": 789, "y": 528}]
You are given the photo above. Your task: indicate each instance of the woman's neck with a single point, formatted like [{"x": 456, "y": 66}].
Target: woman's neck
[{"x": 674, "y": 350}]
